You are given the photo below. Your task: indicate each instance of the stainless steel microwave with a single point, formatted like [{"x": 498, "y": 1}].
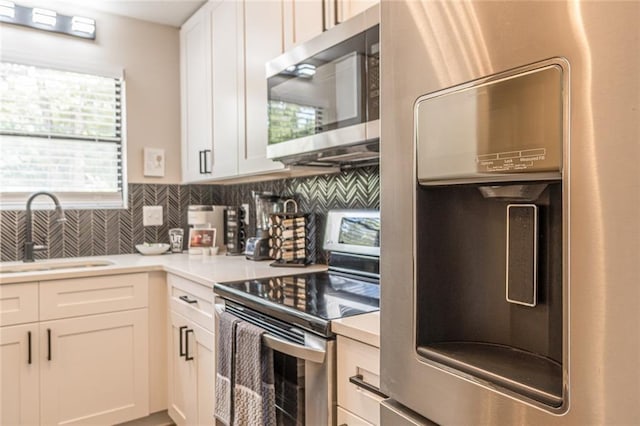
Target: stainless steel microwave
[{"x": 324, "y": 97}]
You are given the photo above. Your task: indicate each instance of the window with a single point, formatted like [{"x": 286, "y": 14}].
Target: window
[{"x": 60, "y": 131}]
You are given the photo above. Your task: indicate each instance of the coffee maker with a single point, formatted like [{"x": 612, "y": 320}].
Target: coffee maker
[
  {"x": 266, "y": 203},
  {"x": 207, "y": 216}
]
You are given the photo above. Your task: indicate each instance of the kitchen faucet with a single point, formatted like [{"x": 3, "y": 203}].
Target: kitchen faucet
[{"x": 29, "y": 246}]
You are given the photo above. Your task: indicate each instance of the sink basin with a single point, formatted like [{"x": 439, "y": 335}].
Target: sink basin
[{"x": 53, "y": 265}]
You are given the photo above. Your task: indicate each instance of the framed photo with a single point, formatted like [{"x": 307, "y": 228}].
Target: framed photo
[
  {"x": 154, "y": 162},
  {"x": 201, "y": 240}
]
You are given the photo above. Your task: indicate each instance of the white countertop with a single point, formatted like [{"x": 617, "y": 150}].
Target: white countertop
[
  {"x": 205, "y": 270},
  {"x": 364, "y": 328}
]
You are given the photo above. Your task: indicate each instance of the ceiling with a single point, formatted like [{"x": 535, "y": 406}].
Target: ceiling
[{"x": 167, "y": 12}]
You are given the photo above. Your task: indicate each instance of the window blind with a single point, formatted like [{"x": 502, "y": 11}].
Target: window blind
[{"x": 61, "y": 131}]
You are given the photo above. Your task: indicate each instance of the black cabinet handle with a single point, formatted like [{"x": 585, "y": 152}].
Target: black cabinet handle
[
  {"x": 358, "y": 381},
  {"x": 48, "y": 344},
  {"x": 336, "y": 21},
  {"x": 207, "y": 169},
  {"x": 182, "y": 352},
  {"x": 186, "y": 345},
  {"x": 29, "y": 347},
  {"x": 200, "y": 161},
  {"x": 324, "y": 16},
  {"x": 185, "y": 298}
]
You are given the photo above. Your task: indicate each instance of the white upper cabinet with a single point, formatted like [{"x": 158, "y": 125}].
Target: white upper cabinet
[
  {"x": 345, "y": 9},
  {"x": 195, "y": 80},
  {"x": 209, "y": 80},
  {"x": 225, "y": 75},
  {"x": 303, "y": 20},
  {"x": 224, "y": 92},
  {"x": 263, "y": 41},
  {"x": 224, "y": 48}
]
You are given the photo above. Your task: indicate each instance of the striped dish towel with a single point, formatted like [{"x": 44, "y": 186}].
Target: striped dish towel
[
  {"x": 254, "y": 391},
  {"x": 224, "y": 368}
]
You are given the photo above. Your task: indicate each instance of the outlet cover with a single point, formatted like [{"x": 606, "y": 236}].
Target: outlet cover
[{"x": 152, "y": 215}]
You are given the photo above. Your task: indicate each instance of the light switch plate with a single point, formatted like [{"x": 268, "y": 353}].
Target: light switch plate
[{"x": 152, "y": 215}]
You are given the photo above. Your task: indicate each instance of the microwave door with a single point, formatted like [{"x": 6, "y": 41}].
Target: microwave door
[
  {"x": 319, "y": 94},
  {"x": 320, "y": 98}
]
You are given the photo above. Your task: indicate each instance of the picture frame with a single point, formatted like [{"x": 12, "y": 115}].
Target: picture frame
[
  {"x": 201, "y": 240},
  {"x": 154, "y": 162}
]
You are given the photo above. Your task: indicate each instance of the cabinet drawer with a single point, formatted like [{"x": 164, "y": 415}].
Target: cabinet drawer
[
  {"x": 92, "y": 295},
  {"x": 192, "y": 300},
  {"x": 346, "y": 418},
  {"x": 356, "y": 358},
  {"x": 18, "y": 303}
]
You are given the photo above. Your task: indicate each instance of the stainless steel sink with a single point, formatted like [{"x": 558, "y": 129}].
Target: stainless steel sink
[{"x": 47, "y": 265}]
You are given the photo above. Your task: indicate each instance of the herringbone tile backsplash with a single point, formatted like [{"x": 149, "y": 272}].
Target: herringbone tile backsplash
[{"x": 103, "y": 232}]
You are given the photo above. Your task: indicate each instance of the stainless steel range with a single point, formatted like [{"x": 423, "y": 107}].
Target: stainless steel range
[{"x": 296, "y": 311}]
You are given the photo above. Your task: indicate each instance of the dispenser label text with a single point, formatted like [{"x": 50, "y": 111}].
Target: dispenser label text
[{"x": 511, "y": 160}]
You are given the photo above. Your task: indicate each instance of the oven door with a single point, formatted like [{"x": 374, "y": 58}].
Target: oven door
[{"x": 304, "y": 369}]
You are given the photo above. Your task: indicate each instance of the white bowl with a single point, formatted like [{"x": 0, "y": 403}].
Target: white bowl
[{"x": 152, "y": 248}]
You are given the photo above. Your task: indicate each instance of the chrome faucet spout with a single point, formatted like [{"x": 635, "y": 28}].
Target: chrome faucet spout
[{"x": 29, "y": 246}]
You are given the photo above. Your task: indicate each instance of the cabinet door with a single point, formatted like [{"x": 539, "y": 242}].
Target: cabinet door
[
  {"x": 225, "y": 66},
  {"x": 19, "y": 388},
  {"x": 182, "y": 375},
  {"x": 202, "y": 352},
  {"x": 94, "y": 369},
  {"x": 195, "y": 80},
  {"x": 349, "y": 8},
  {"x": 262, "y": 23},
  {"x": 303, "y": 20},
  {"x": 191, "y": 373}
]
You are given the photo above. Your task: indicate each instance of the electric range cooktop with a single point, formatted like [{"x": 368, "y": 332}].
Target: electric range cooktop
[{"x": 308, "y": 300}]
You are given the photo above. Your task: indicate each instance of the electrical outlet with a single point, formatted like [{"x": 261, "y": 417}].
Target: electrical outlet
[
  {"x": 151, "y": 215},
  {"x": 245, "y": 207}
]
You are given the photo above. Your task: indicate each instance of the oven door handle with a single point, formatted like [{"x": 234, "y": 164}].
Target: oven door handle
[
  {"x": 288, "y": 348},
  {"x": 294, "y": 349}
]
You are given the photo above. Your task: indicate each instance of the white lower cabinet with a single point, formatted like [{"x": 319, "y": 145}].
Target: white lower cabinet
[
  {"x": 191, "y": 356},
  {"x": 347, "y": 418},
  {"x": 191, "y": 373},
  {"x": 94, "y": 369},
  {"x": 358, "y": 373},
  {"x": 19, "y": 373},
  {"x": 87, "y": 366}
]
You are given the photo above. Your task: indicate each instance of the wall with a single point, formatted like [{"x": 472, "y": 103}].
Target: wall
[
  {"x": 149, "y": 55},
  {"x": 103, "y": 232}
]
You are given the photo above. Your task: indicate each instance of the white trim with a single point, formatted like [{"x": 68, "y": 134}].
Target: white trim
[
  {"x": 75, "y": 201},
  {"x": 8, "y": 54}
]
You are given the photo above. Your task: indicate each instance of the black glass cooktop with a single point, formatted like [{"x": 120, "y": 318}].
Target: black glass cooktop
[{"x": 309, "y": 301}]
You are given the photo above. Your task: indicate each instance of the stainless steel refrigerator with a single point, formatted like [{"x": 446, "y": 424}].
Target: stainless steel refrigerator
[{"x": 510, "y": 205}]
